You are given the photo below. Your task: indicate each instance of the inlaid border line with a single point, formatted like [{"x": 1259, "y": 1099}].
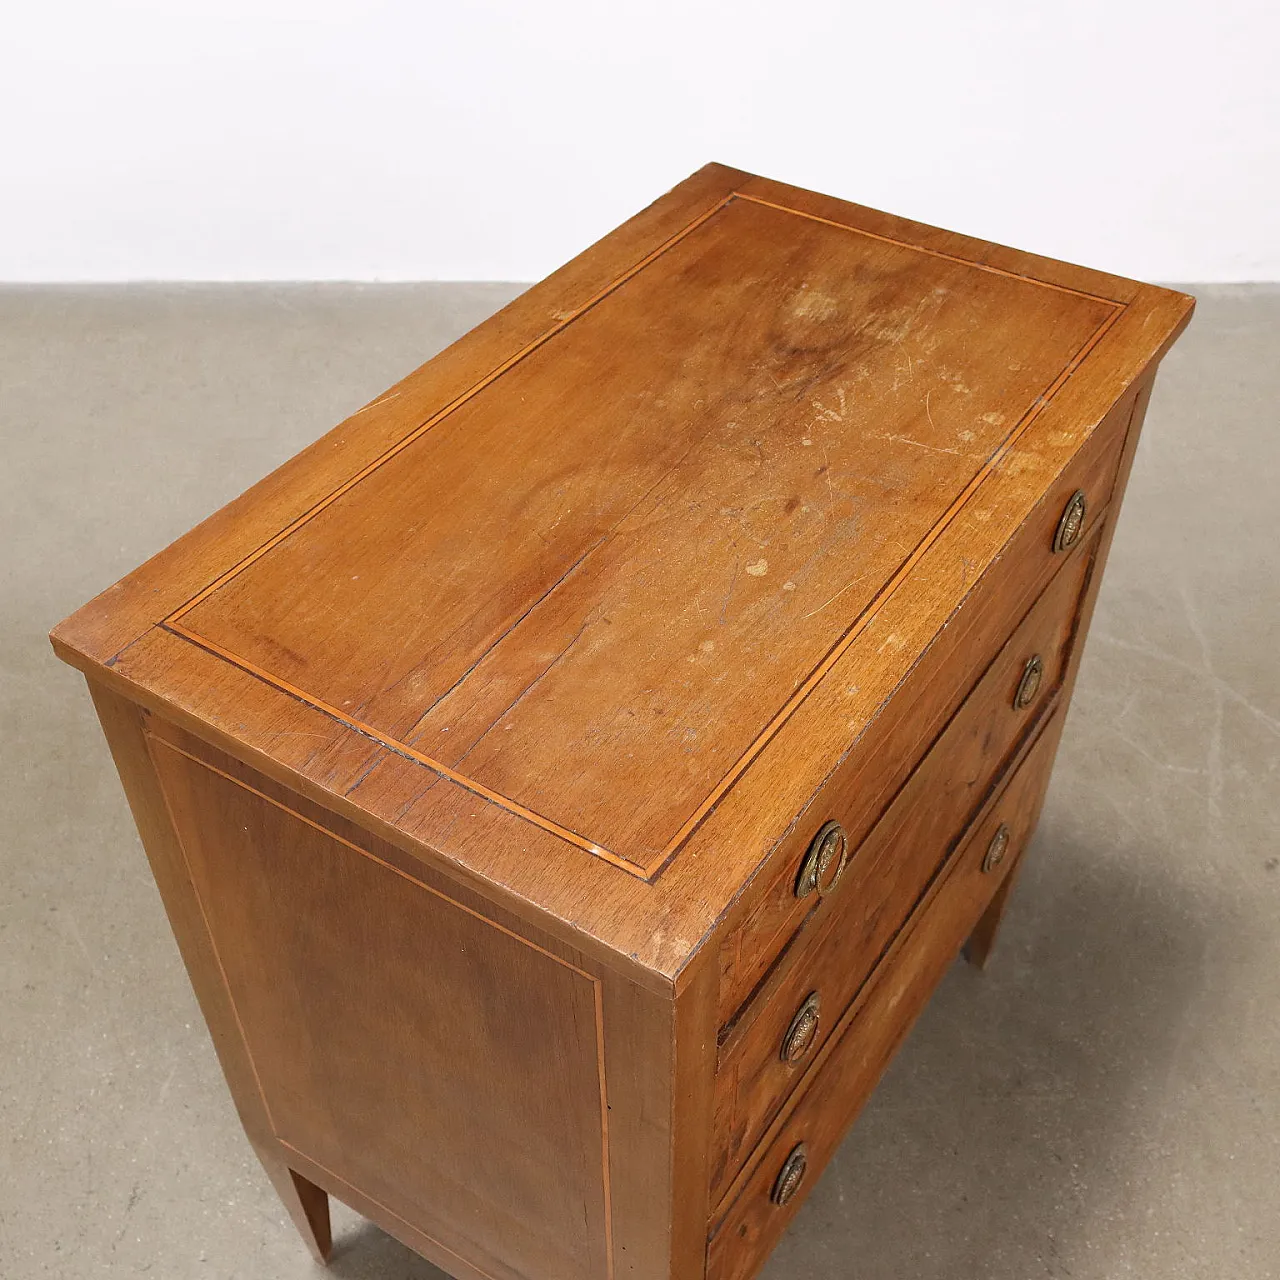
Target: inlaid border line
[
  {"x": 597, "y": 1004},
  {"x": 651, "y": 870},
  {"x": 933, "y": 253},
  {"x": 403, "y": 749}
]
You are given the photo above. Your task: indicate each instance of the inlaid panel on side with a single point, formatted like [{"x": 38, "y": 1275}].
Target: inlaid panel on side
[
  {"x": 444, "y": 1066},
  {"x": 804, "y": 403}
]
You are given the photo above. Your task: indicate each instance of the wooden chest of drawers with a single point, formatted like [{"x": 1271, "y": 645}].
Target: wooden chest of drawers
[{"x": 568, "y": 779}]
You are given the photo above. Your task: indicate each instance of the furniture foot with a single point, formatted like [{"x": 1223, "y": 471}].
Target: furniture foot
[
  {"x": 307, "y": 1204},
  {"x": 983, "y": 938}
]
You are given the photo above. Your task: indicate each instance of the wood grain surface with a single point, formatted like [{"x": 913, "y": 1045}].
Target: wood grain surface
[{"x": 496, "y": 594}]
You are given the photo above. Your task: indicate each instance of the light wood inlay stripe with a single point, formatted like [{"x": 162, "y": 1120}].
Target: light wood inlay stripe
[
  {"x": 598, "y": 991},
  {"x": 654, "y": 867}
]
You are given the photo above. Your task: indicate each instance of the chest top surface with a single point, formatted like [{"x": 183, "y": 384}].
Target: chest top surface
[{"x": 584, "y": 567}]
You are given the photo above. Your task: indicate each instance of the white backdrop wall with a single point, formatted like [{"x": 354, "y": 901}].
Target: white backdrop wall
[{"x": 331, "y": 139}]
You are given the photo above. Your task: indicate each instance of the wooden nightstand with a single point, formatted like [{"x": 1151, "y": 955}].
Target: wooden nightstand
[{"x": 569, "y": 778}]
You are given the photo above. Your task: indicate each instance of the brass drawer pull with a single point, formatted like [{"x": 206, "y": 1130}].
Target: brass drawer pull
[
  {"x": 996, "y": 850},
  {"x": 1072, "y": 522},
  {"x": 824, "y": 863},
  {"x": 1029, "y": 685},
  {"x": 803, "y": 1030},
  {"x": 790, "y": 1176}
]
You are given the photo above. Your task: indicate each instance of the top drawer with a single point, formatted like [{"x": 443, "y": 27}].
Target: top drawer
[{"x": 859, "y": 789}]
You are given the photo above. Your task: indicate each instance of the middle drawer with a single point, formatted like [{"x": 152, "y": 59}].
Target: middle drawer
[{"x": 765, "y": 1049}]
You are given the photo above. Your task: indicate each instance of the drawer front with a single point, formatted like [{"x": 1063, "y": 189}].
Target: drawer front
[
  {"x": 776, "y": 1035},
  {"x": 859, "y": 789},
  {"x": 870, "y": 1032}
]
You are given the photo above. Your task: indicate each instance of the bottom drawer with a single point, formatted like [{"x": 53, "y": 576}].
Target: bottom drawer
[{"x": 775, "y": 1182}]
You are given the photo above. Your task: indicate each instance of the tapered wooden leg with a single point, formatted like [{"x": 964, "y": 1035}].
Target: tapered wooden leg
[
  {"x": 307, "y": 1204},
  {"x": 983, "y": 938}
]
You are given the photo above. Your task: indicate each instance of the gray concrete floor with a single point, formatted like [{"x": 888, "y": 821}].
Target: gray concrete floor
[{"x": 1104, "y": 1103}]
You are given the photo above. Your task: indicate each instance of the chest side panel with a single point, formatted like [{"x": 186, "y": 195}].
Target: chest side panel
[{"x": 449, "y": 1068}]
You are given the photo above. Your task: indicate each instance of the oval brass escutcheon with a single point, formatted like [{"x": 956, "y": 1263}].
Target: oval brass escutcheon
[
  {"x": 803, "y": 1030},
  {"x": 824, "y": 862},
  {"x": 1072, "y": 522},
  {"x": 1029, "y": 685},
  {"x": 996, "y": 850},
  {"x": 790, "y": 1176}
]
